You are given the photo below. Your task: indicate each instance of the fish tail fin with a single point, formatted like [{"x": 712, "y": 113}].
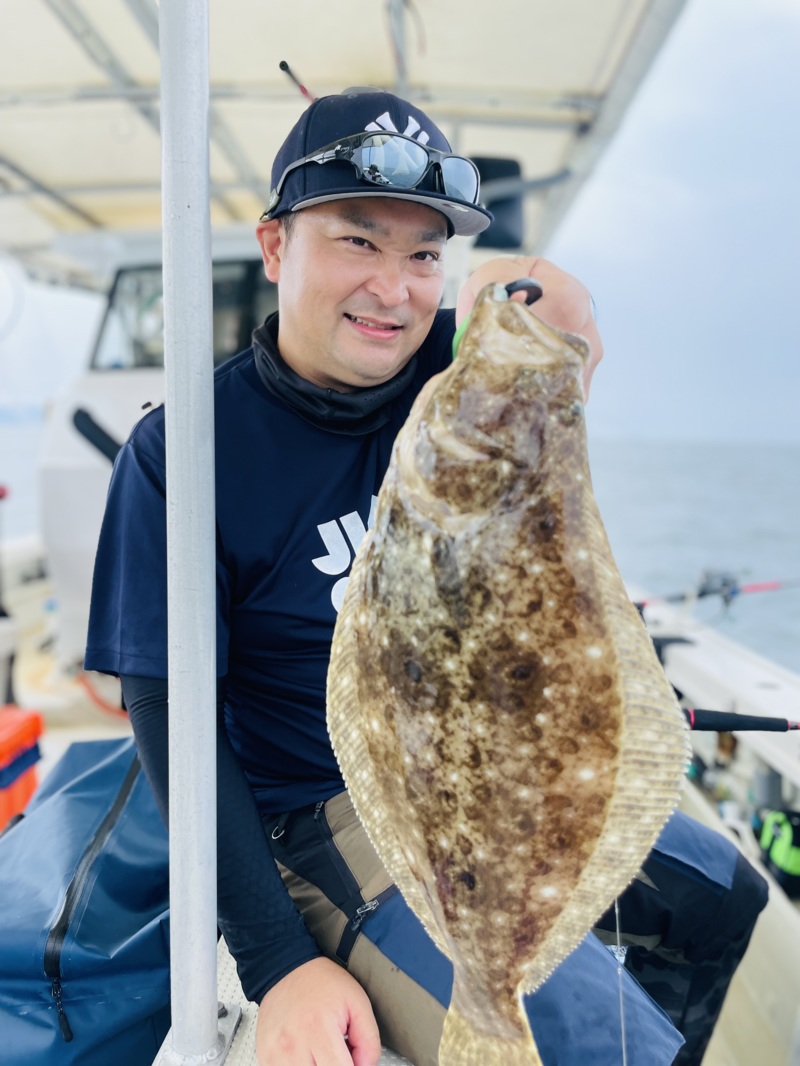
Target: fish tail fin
[{"x": 464, "y": 1045}]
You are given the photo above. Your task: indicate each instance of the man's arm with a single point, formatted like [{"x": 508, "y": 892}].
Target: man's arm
[
  {"x": 261, "y": 925},
  {"x": 308, "y": 1003},
  {"x": 565, "y": 302}
]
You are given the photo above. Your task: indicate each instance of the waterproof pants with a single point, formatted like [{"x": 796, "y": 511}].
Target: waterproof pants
[{"x": 688, "y": 919}]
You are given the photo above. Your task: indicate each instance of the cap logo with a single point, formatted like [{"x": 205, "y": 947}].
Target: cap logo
[{"x": 384, "y": 122}]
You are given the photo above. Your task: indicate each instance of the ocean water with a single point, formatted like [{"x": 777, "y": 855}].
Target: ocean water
[
  {"x": 671, "y": 510},
  {"x": 675, "y": 510}
]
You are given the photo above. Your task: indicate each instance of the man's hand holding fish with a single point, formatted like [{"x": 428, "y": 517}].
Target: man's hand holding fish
[{"x": 565, "y": 302}]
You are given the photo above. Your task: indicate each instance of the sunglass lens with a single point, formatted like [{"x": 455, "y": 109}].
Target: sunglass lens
[
  {"x": 392, "y": 159},
  {"x": 460, "y": 179}
]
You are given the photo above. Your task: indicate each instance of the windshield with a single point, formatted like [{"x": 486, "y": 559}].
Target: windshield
[{"x": 132, "y": 334}]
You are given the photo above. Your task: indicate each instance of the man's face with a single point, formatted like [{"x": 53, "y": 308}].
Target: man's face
[{"x": 359, "y": 282}]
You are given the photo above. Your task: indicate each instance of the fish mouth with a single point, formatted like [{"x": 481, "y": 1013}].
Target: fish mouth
[{"x": 367, "y": 323}]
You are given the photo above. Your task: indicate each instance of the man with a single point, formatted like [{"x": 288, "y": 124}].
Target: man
[{"x": 354, "y": 236}]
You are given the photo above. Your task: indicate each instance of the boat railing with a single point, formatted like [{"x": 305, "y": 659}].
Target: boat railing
[{"x": 716, "y": 673}]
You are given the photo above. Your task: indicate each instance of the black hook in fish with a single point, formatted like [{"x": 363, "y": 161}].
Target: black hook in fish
[{"x": 531, "y": 288}]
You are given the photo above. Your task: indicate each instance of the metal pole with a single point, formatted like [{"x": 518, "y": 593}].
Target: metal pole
[
  {"x": 190, "y": 529},
  {"x": 397, "y": 19}
]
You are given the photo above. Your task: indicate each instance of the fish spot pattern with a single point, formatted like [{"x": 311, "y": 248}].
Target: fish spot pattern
[{"x": 487, "y": 628}]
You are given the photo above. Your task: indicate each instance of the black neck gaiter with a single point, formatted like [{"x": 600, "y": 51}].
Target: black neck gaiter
[{"x": 351, "y": 413}]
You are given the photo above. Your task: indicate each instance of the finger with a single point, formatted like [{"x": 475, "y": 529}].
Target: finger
[
  {"x": 465, "y": 301},
  {"x": 329, "y": 1048},
  {"x": 363, "y": 1035},
  {"x": 502, "y": 271}
]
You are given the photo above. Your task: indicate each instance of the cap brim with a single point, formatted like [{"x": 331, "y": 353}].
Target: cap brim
[{"x": 465, "y": 219}]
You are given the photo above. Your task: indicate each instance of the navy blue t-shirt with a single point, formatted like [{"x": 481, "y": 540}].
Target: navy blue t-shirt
[{"x": 293, "y": 501}]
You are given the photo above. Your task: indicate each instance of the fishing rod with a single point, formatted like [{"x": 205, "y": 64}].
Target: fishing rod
[
  {"x": 720, "y": 583},
  {"x": 728, "y": 722},
  {"x": 284, "y": 66}
]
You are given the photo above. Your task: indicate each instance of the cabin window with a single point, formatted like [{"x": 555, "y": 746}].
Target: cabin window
[{"x": 132, "y": 332}]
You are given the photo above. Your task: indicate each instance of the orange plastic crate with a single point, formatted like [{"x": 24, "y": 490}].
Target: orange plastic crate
[{"x": 19, "y": 735}]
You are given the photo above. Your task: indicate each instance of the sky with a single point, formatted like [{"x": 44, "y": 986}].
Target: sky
[{"x": 687, "y": 234}]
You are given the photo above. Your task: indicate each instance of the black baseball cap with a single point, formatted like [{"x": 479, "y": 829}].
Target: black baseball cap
[{"x": 352, "y": 112}]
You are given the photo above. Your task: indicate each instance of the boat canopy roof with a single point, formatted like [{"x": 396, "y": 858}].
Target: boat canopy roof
[{"x": 544, "y": 84}]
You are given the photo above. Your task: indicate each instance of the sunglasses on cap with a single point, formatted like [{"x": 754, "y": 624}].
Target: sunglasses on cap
[{"x": 392, "y": 160}]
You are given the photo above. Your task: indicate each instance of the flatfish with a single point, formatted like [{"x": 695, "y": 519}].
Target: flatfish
[{"x": 507, "y": 734}]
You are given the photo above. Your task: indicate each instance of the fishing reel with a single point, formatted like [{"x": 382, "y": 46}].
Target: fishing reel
[{"x": 720, "y": 583}]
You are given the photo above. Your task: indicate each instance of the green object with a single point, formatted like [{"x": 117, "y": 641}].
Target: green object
[
  {"x": 778, "y": 842},
  {"x": 462, "y": 329}
]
